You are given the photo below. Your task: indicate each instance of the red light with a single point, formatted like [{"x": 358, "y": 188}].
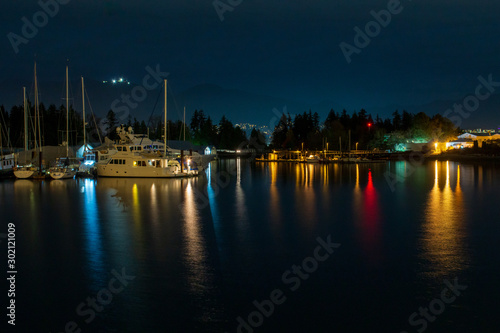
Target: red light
[{"x": 369, "y": 124}]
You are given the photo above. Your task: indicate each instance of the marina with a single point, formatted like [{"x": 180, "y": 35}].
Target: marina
[{"x": 250, "y": 166}]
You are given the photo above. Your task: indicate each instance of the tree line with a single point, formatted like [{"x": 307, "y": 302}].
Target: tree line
[
  {"x": 52, "y": 122},
  {"x": 305, "y": 131},
  {"x": 302, "y": 131}
]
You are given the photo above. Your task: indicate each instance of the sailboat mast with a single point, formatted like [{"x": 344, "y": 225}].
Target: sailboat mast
[
  {"x": 83, "y": 102},
  {"x": 184, "y": 123},
  {"x": 25, "y": 121},
  {"x": 165, "y": 130},
  {"x": 67, "y": 114},
  {"x": 36, "y": 109}
]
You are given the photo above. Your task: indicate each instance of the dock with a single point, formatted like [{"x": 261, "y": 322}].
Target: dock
[{"x": 325, "y": 156}]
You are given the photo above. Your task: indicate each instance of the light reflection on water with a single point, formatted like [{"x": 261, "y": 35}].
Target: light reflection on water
[
  {"x": 195, "y": 254},
  {"x": 443, "y": 228},
  {"x": 204, "y": 248},
  {"x": 92, "y": 232}
]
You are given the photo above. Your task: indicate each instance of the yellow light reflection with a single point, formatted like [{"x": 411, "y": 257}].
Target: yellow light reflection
[
  {"x": 357, "y": 202},
  {"x": 136, "y": 207},
  {"x": 305, "y": 196},
  {"x": 443, "y": 229},
  {"x": 24, "y": 188},
  {"x": 273, "y": 166},
  {"x": 195, "y": 247},
  {"x": 275, "y": 208},
  {"x": 154, "y": 204}
]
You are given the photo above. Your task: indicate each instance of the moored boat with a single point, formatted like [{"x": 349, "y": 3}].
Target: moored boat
[
  {"x": 313, "y": 159},
  {"x": 139, "y": 160},
  {"x": 7, "y": 165},
  {"x": 65, "y": 168},
  {"x": 133, "y": 161}
]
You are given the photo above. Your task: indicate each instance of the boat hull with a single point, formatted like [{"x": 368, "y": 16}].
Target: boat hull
[
  {"x": 117, "y": 171},
  {"x": 62, "y": 174},
  {"x": 24, "y": 174}
]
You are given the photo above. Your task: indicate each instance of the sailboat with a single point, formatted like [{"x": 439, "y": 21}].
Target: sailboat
[
  {"x": 26, "y": 171},
  {"x": 65, "y": 168},
  {"x": 133, "y": 160},
  {"x": 29, "y": 170},
  {"x": 87, "y": 168}
]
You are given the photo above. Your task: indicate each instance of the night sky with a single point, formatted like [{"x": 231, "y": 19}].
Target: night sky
[{"x": 430, "y": 50}]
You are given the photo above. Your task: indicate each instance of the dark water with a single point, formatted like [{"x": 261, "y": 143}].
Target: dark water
[{"x": 199, "y": 253}]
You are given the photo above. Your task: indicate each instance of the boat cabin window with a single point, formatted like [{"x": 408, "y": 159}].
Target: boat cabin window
[
  {"x": 119, "y": 148},
  {"x": 115, "y": 161}
]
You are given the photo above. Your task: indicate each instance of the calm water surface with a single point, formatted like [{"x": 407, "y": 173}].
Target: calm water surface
[{"x": 198, "y": 254}]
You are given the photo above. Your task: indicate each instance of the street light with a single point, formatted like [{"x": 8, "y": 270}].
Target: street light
[{"x": 356, "y": 147}]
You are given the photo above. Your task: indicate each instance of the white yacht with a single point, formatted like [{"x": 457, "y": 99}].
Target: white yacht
[
  {"x": 132, "y": 161},
  {"x": 144, "y": 159}
]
